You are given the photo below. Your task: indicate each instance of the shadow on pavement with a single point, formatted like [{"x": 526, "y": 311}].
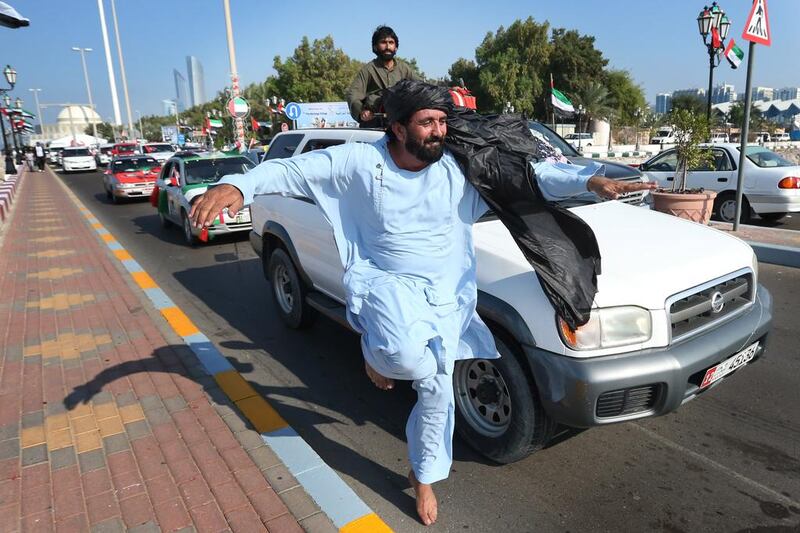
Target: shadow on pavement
[{"x": 151, "y": 225}]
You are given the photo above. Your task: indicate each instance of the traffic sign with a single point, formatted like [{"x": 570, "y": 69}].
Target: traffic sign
[
  {"x": 238, "y": 107},
  {"x": 756, "y": 29},
  {"x": 181, "y": 139},
  {"x": 292, "y": 111}
]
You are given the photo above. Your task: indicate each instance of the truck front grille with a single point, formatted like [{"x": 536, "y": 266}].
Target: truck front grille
[
  {"x": 627, "y": 401},
  {"x": 633, "y": 198},
  {"x": 709, "y": 304}
]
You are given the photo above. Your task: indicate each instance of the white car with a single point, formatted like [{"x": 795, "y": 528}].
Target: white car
[
  {"x": 664, "y": 135},
  {"x": 719, "y": 138},
  {"x": 771, "y": 183},
  {"x": 783, "y": 137},
  {"x": 76, "y": 159},
  {"x": 678, "y": 308},
  {"x": 160, "y": 151},
  {"x": 103, "y": 154},
  {"x": 187, "y": 175},
  {"x": 579, "y": 140}
]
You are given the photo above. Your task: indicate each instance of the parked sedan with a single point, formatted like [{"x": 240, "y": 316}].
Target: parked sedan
[
  {"x": 189, "y": 174},
  {"x": 771, "y": 183},
  {"x": 131, "y": 176}
]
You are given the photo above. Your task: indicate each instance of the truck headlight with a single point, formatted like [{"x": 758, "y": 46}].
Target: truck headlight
[{"x": 609, "y": 327}]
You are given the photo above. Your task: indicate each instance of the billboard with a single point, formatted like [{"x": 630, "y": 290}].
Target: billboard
[
  {"x": 169, "y": 134},
  {"x": 325, "y": 115}
]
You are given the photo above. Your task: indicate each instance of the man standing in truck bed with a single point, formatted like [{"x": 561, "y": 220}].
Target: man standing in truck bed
[{"x": 364, "y": 94}]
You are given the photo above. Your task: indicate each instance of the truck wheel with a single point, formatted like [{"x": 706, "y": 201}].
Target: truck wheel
[
  {"x": 725, "y": 208},
  {"x": 288, "y": 290},
  {"x": 498, "y": 411}
]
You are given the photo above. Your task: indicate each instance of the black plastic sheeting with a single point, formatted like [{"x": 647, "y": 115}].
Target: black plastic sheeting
[{"x": 495, "y": 152}]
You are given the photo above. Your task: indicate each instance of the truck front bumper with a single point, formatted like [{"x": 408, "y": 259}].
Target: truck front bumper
[{"x": 578, "y": 392}]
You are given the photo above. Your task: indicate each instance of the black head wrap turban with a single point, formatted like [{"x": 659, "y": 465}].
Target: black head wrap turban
[{"x": 406, "y": 97}]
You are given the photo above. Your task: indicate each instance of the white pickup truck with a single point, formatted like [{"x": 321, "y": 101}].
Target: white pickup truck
[{"x": 678, "y": 308}]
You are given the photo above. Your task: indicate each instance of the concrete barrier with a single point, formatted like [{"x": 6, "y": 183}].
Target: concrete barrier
[{"x": 8, "y": 189}]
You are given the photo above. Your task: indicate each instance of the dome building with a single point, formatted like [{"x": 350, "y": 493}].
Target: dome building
[{"x": 71, "y": 119}]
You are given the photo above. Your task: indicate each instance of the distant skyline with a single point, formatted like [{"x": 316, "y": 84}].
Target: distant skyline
[{"x": 658, "y": 44}]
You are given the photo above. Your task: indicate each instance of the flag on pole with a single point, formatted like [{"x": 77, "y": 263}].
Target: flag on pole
[
  {"x": 254, "y": 123},
  {"x": 716, "y": 41},
  {"x": 560, "y": 102},
  {"x": 734, "y": 54}
]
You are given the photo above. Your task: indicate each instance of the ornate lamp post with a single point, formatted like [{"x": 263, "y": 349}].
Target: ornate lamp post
[
  {"x": 638, "y": 115},
  {"x": 11, "y": 78},
  {"x": 713, "y": 21}
]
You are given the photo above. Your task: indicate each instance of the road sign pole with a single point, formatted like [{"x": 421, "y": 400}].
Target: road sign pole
[{"x": 744, "y": 134}]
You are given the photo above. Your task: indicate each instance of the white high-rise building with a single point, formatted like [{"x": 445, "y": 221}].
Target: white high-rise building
[
  {"x": 787, "y": 93},
  {"x": 197, "y": 89},
  {"x": 762, "y": 93},
  {"x": 723, "y": 93}
]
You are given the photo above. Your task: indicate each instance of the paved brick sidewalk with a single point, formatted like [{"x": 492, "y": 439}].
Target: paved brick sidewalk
[{"x": 102, "y": 427}]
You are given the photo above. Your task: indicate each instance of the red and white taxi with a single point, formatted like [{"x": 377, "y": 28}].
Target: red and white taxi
[{"x": 131, "y": 176}]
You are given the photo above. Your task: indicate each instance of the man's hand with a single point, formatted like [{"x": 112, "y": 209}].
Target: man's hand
[
  {"x": 207, "y": 206},
  {"x": 613, "y": 189},
  {"x": 366, "y": 115}
]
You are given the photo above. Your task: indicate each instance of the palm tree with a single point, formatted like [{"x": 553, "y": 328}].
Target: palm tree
[{"x": 595, "y": 99}]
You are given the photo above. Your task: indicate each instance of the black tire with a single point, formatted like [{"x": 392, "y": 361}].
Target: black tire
[
  {"x": 188, "y": 236},
  {"x": 165, "y": 222},
  {"x": 725, "y": 208},
  {"x": 498, "y": 411},
  {"x": 772, "y": 217},
  {"x": 288, "y": 290}
]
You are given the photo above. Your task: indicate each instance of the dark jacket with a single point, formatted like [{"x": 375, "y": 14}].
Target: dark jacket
[{"x": 495, "y": 153}]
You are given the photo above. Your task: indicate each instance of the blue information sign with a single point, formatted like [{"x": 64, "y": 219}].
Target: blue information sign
[
  {"x": 181, "y": 139},
  {"x": 292, "y": 111}
]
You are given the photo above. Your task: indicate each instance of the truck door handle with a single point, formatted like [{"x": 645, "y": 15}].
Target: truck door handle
[
  {"x": 670, "y": 178},
  {"x": 722, "y": 180}
]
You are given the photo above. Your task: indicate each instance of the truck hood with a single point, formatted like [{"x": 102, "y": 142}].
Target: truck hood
[{"x": 646, "y": 256}]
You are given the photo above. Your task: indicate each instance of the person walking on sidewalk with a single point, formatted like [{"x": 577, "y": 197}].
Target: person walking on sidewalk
[
  {"x": 364, "y": 94},
  {"x": 29, "y": 159},
  {"x": 402, "y": 211},
  {"x": 38, "y": 151}
]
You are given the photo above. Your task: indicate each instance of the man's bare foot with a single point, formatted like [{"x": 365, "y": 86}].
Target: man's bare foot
[
  {"x": 381, "y": 382},
  {"x": 427, "y": 507}
]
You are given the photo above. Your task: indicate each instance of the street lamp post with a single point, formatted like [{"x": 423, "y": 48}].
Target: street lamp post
[
  {"x": 580, "y": 112},
  {"x": 713, "y": 21},
  {"x": 638, "y": 114},
  {"x": 141, "y": 130},
  {"x": 88, "y": 87},
  {"x": 11, "y": 78},
  {"x": 15, "y": 130},
  {"x": 38, "y": 109}
]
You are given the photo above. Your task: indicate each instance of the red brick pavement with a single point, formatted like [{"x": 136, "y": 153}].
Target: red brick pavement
[{"x": 101, "y": 426}]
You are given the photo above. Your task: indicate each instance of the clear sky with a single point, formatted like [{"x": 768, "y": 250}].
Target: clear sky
[{"x": 656, "y": 40}]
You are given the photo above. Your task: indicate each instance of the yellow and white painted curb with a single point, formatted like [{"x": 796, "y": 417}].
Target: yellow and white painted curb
[{"x": 335, "y": 498}]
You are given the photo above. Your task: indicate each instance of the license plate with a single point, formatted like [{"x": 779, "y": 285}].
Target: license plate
[{"x": 715, "y": 373}]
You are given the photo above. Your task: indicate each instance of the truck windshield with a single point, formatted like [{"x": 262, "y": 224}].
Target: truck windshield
[
  {"x": 211, "y": 170},
  {"x": 540, "y": 130}
]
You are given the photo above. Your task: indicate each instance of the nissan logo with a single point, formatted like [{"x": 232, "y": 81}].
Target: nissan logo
[{"x": 717, "y": 302}]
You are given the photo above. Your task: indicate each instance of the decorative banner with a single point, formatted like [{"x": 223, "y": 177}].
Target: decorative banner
[
  {"x": 325, "y": 115},
  {"x": 238, "y": 107},
  {"x": 169, "y": 134}
]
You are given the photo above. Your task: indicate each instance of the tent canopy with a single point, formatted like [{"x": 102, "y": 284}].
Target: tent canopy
[{"x": 80, "y": 139}]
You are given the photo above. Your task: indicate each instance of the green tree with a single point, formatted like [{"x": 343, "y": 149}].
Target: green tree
[
  {"x": 512, "y": 64},
  {"x": 316, "y": 72},
  {"x": 596, "y": 101},
  {"x": 104, "y": 130},
  {"x": 625, "y": 96},
  {"x": 574, "y": 61},
  {"x": 690, "y": 103},
  {"x": 691, "y": 128},
  {"x": 736, "y": 117}
]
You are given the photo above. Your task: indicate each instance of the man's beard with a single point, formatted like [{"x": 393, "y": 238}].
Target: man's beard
[
  {"x": 386, "y": 55},
  {"x": 428, "y": 151}
]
